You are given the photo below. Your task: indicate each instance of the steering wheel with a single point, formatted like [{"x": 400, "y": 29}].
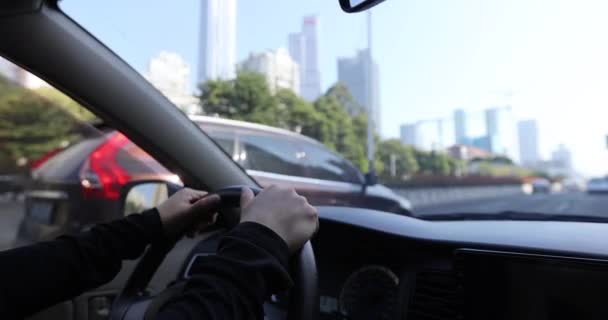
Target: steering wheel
[{"x": 132, "y": 303}]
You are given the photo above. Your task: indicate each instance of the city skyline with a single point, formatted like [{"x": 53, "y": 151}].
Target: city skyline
[{"x": 433, "y": 58}]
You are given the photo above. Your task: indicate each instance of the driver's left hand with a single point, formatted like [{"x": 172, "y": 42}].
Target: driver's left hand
[{"x": 187, "y": 212}]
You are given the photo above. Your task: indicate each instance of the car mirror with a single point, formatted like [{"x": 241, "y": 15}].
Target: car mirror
[
  {"x": 143, "y": 195},
  {"x": 352, "y": 6}
]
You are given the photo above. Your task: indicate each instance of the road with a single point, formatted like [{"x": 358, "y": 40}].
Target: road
[{"x": 576, "y": 203}]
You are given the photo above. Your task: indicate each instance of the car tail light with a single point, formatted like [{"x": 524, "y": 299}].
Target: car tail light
[{"x": 102, "y": 176}]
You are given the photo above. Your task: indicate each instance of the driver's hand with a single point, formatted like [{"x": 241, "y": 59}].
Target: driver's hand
[
  {"x": 187, "y": 211},
  {"x": 283, "y": 211}
]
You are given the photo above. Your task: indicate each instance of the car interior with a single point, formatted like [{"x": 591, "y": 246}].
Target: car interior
[{"x": 362, "y": 264}]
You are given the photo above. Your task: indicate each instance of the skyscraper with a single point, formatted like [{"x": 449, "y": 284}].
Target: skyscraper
[
  {"x": 500, "y": 130},
  {"x": 280, "y": 70},
  {"x": 304, "y": 49},
  {"x": 352, "y": 72},
  {"x": 562, "y": 158},
  {"x": 461, "y": 133},
  {"x": 217, "y": 46},
  {"x": 528, "y": 142},
  {"x": 429, "y": 135},
  {"x": 408, "y": 134}
]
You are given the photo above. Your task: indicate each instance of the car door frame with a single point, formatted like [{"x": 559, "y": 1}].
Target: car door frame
[{"x": 39, "y": 37}]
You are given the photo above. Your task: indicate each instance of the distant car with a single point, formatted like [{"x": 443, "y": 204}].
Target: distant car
[
  {"x": 597, "y": 186},
  {"x": 92, "y": 171},
  {"x": 541, "y": 185}
]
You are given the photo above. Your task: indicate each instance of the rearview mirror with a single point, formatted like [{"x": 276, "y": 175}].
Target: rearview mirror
[
  {"x": 352, "y": 6},
  {"x": 143, "y": 195}
]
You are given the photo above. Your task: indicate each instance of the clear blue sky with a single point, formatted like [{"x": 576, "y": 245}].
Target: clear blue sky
[{"x": 434, "y": 55}]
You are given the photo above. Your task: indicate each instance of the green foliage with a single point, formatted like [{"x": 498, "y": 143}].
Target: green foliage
[
  {"x": 405, "y": 158},
  {"x": 247, "y": 98},
  {"x": 335, "y": 119},
  {"x": 66, "y": 103},
  {"x": 30, "y": 126}
]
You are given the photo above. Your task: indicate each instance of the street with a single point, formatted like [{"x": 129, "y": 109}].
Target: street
[
  {"x": 11, "y": 213},
  {"x": 558, "y": 203}
]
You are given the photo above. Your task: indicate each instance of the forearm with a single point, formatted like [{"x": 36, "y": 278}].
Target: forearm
[
  {"x": 38, "y": 276},
  {"x": 250, "y": 265}
]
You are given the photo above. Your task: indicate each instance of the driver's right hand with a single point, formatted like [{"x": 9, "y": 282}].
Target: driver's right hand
[{"x": 283, "y": 211}]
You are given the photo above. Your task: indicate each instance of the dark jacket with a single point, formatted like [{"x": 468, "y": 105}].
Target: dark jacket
[{"x": 250, "y": 265}]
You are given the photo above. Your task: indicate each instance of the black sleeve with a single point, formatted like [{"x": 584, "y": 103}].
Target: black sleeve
[
  {"x": 35, "y": 277},
  {"x": 250, "y": 265}
]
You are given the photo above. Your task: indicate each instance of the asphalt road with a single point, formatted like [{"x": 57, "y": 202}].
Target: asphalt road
[
  {"x": 11, "y": 213},
  {"x": 576, "y": 203}
]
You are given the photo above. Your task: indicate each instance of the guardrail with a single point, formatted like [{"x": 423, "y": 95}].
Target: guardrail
[{"x": 422, "y": 197}]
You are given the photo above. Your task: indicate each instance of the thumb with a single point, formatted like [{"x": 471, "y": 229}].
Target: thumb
[{"x": 246, "y": 197}]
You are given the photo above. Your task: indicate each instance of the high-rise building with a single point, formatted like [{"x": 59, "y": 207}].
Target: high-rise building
[
  {"x": 217, "y": 47},
  {"x": 528, "y": 142},
  {"x": 429, "y": 135},
  {"x": 500, "y": 129},
  {"x": 562, "y": 157},
  {"x": 304, "y": 49},
  {"x": 280, "y": 70},
  {"x": 408, "y": 134},
  {"x": 170, "y": 74},
  {"x": 461, "y": 133},
  {"x": 353, "y": 72}
]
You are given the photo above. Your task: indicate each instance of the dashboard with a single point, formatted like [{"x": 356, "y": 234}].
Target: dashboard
[{"x": 376, "y": 265}]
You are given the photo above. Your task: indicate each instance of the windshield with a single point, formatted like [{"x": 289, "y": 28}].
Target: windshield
[{"x": 476, "y": 106}]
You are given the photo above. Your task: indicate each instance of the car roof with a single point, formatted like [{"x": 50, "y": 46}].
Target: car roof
[{"x": 251, "y": 126}]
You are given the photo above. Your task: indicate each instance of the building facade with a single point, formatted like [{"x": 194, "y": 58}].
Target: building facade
[
  {"x": 170, "y": 74},
  {"x": 461, "y": 134},
  {"x": 500, "y": 131},
  {"x": 304, "y": 49},
  {"x": 217, "y": 46},
  {"x": 428, "y": 135},
  {"x": 527, "y": 131},
  {"x": 278, "y": 67},
  {"x": 353, "y": 73}
]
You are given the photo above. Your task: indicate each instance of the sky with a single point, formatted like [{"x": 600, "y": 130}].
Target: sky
[{"x": 434, "y": 55}]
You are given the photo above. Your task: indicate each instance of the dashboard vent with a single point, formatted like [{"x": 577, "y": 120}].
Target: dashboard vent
[{"x": 437, "y": 295}]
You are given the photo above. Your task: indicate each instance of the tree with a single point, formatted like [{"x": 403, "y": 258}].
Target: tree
[
  {"x": 247, "y": 98},
  {"x": 30, "y": 126},
  {"x": 296, "y": 114},
  {"x": 61, "y": 100},
  {"x": 405, "y": 158},
  {"x": 346, "y": 99}
]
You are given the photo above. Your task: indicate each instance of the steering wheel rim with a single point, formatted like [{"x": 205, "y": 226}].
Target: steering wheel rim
[{"x": 132, "y": 303}]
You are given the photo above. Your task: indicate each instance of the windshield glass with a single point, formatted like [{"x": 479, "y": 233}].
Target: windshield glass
[{"x": 476, "y": 106}]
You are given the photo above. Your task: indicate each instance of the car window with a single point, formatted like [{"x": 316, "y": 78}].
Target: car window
[
  {"x": 59, "y": 171},
  {"x": 271, "y": 154},
  {"x": 224, "y": 137},
  {"x": 326, "y": 165}
]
